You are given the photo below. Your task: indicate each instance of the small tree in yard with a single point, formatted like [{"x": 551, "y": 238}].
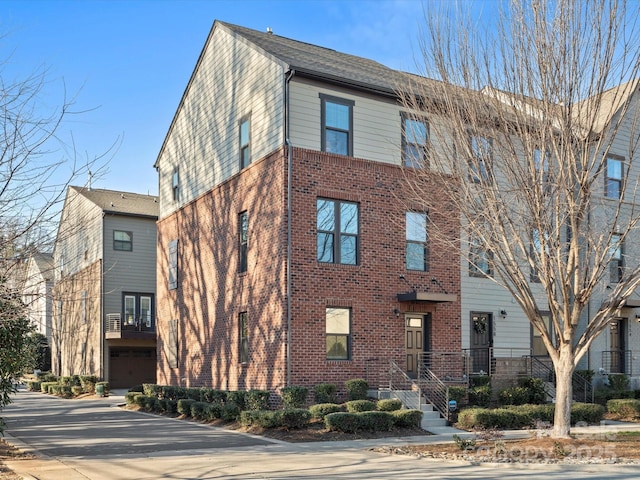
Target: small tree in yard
[{"x": 533, "y": 124}]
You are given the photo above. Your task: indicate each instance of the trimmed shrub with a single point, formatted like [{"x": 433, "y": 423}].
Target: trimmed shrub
[
  {"x": 184, "y": 406},
  {"x": 136, "y": 388},
  {"x": 88, "y": 383},
  {"x": 377, "y": 421},
  {"x": 48, "y": 377},
  {"x": 151, "y": 389},
  {"x": 480, "y": 396},
  {"x": 356, "y": 389},
  {"x": 165, "y": 405},
  {"x": 211, "y": 395},
  {"x": 34, "y": 386},
  {"x": 193, "y": 393},
  {"x": 60, "y": 390},
  {"x": 172, "y": 392},
  {"x": 294, "y": 417},
  {"x": 294, "y": 396},
  {"x": 618, "y": 382},
  {"x": 343, "y": 422},
  {"x": 535, "y": 389},
  {"x": 479, "y": 381},
  {"x": 407, "y": 418},
  {"x": 513, "y": 396},
  {"x": 129, "y": 397},
  {"x": 257, "y": 400},
  {"x": 76, "y": 390},
  {"x": 199, "y": 410},
  {"x": 459, "y": 394},
  {"x": 214, "y": 411},
  {"x": 44, "y": 386},
  {"x": 259, "y": 418},
  {"x": 389, "y": 405},
  {"x": 146, "y": 402},
  {"x": 321, "y": 410},
  {"x": 355, "y": 406},
  {"x": 586, "y": 412},
  {"x": 624, "y": 407},
  {"x": 325, "y": 393},
  {"x": 231, "y": 411},
  {"x": 237, "y": 397}
]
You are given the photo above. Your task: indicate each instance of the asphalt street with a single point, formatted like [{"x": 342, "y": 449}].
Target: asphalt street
[{"x": 94, "y": 439}]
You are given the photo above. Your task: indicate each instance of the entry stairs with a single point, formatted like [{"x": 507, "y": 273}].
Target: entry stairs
[{"x": 432, "y": 420}]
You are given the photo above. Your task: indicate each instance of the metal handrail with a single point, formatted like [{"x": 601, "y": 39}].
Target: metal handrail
[
  {"x": 582, "y": 389},
  {"x": 400, "y": 381},
  {"x": 435, "y": 390}
]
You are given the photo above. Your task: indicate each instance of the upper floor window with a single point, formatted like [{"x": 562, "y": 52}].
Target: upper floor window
[
  {"x": 175, "y": 185},
  {"x": 338, "y": 333},
  {"x": 415, "y": 135},
  {"x": 122, "y": 240},
  {"x": 337, "y": 224},
  {"x": 244, "y": 338},
  {"x": 479, "y": 259},
  {"x": 541, "y": 162},
  {"x": 416, "y": 237},
  {"x": 616, "y": 253},
  {"x": 243, "y": 235},
  {"x": 481, "y": 151},
  {"x": 337, "y": 125},
  {"x": 173, "y": 264},
  {"x": 245, "y": 142},
  {"x": 613, "y": 179},
  {"x": 537, "y": 345}
]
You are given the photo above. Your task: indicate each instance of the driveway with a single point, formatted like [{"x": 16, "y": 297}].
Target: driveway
[{"x": 92, "y": 439}]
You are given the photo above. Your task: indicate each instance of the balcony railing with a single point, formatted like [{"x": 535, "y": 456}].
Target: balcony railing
[
  {"x": 131, "y": 328},
  {"x": 618, "y": 361}
]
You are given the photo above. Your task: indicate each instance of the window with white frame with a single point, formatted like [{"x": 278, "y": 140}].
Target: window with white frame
[
  {"x": 245, "y": 142},
  {"x": 613, "y": 178},
  {"x": 175, "y": 184},
  {"x": 338, "y": 333}
]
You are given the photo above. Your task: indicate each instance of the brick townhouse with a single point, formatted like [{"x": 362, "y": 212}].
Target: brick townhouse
[{"x": 290, "y": 250}]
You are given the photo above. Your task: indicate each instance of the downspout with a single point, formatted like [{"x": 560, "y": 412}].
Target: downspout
[{"x": 287, "y": 143}]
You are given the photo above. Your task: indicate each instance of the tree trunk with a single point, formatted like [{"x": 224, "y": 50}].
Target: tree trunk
[{"x": 564, "y": 394}]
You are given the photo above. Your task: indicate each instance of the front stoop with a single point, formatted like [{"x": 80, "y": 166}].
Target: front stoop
[{"x": 431, "y": 418}]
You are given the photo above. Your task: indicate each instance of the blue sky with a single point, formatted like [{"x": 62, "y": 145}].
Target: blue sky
[{"x": 128, "y": 62}]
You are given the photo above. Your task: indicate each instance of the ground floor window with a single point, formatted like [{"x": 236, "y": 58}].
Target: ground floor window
[{"x": 338, "y": 333}]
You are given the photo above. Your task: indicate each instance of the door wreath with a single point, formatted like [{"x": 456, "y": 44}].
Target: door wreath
[{"x": 480, "y": 325}]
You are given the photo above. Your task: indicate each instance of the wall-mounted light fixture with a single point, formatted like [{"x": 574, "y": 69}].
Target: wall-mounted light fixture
[
  {"x": 637, "y": 318},
  {"x": 396, "y": 312},
  {"x": 503, "y": 313}
]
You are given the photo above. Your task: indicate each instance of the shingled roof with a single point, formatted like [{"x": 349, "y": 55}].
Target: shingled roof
[{"x": 121, "y": 203}]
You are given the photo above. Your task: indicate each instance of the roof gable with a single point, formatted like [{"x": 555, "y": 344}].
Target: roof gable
[{"x": 121, "y": 203}]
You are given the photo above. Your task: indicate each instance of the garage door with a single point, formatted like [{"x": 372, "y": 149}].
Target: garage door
[{"x": 131, "y": 366}]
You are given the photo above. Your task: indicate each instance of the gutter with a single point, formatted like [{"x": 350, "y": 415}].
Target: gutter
[{"x": 287, "y": 143}]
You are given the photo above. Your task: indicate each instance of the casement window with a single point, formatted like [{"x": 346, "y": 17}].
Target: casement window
[
  {"x": 416, "y": 241},
  {"x": 616, "y": 253},
  {"x": 122, "y": 241},
  {"x": 175, "y": 184},
  {"x": 243, "y": 235},
  {"x": 138, "y": 311},
  {"x": 415, "y": 137},
  {"x": 171, "y": 347},
  {"x": 338, "y": 333},
  {"x": 173, "y": 264},
  {"x": 479, "y": 259},
  {"x": 244, "y": 338},
  {"x": 613, "y": 178},
  {"x": 537, "y": 345},
  {"x": 337, "y": 224},
  {"x": 337, "y": 125},
  {"x": 480, "y": 163},
  {"x": 244, "y": 135}
]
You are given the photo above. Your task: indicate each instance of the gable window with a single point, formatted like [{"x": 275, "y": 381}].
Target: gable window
[
  {"x": 122, "y": 241},
  {"x": 175, "y": 185},
  {"x": 416, "y": 233},
  {"x": 243, "y": 230},
  {"x": 616, "y": 253},
  {"x": 414, "y": 142},
  {"x": 479, "y": 259},
  {"x": 245, "y": 142},
  {"x": 537, "y": 345},
  {"x": 337, "y": 224},
  {"x": 244, "y": 338},
  {"x": 173, "y": 264},
  {"x": 481, "y": 151},
  {"x": 337, "y": 125},
  {"x": 613, "y": 179},
  {"x": 338, "y": 333}
]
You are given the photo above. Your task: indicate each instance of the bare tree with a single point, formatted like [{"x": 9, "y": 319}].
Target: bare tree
[{"x": 525, "y": 119}]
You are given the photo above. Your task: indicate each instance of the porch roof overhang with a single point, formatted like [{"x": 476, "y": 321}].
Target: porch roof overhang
[{"x": 429, "y": 297}]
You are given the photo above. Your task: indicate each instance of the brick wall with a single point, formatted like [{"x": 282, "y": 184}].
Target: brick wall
[{"x": 211, "y": 294}]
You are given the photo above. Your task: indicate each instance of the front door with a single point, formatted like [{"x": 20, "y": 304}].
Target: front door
[
  {"x": 417, "y": 338},
  {"x": 617, "y": 335},
  {"x": 481, "y": 342}
]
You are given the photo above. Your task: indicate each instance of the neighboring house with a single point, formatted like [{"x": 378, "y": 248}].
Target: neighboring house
[
  {"x": 289, "y": 250},
  {"x": 37, "y": 292},
  {"x": 104, "y": 293}
]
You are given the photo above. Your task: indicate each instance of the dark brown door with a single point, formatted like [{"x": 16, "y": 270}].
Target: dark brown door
[
  {"x": 617, "y": 334},
  {"x": 417, "y": 340},
  {"x": 481, "y": 342}
]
